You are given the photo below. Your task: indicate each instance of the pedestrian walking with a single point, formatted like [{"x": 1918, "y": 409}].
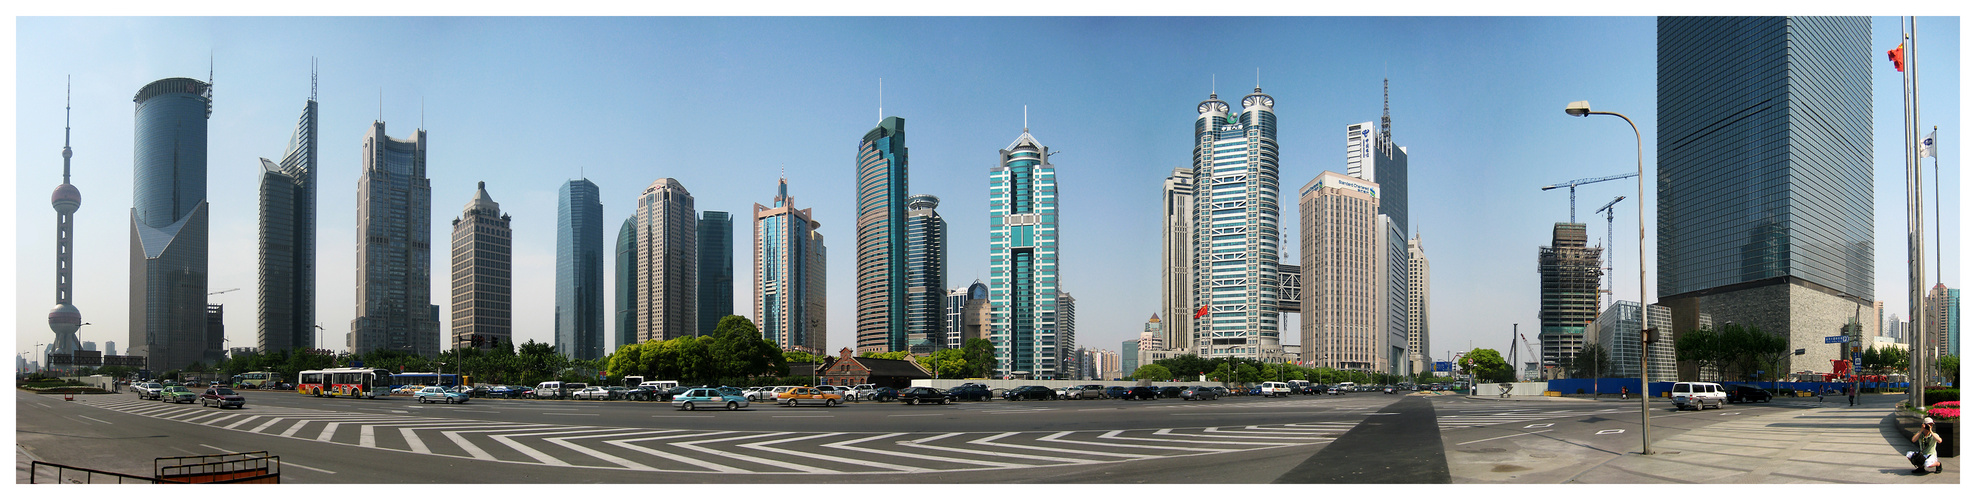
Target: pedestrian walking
[
  {"x": 1926, "y": 439},
  {"x": 1852, "y": 395},
  {"x": 1622, "y": 392}
]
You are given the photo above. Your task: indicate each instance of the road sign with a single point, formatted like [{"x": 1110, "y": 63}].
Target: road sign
[
  {"x": 1444, "y": 366},
  {"x": 1835, "y": 339}
]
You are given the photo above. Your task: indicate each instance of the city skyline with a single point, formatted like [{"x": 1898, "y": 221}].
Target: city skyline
[{"x": 1473, "y": 144}]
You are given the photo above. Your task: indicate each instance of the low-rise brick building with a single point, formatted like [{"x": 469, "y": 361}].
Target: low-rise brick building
[{"x": 847, "y": 369}]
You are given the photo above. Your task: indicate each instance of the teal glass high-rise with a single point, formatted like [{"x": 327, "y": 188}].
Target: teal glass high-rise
[
  {"x": 1022, "y": 263},
  {"x": 579, "y": 270}
]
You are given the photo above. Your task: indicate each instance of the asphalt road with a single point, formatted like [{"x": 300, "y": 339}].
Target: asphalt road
[{"x": 396, "y": 440}]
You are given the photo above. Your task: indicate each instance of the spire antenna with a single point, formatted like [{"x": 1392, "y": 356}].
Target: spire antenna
[
  {"x": 67, "y": 111},
  {"x": 1025, "y": 118},
  {"x": 312, "y": 78},
  {"x": 1258, "y": 79},
  {"x": 881, "y": 99},
  {"x": 1386, "y": 113}
]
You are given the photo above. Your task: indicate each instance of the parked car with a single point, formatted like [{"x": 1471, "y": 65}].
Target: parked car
[
  {"x": 1746, "y": 394},
  {"x": 1030, "y": 392},
  {"x": 1065, "y": 391},
  {"x": 1171, "y": 391},
  {"x": 222, "y": 397},
  {"x": 497, "y": 391},
  {"x": 673, "y": 392},
  {"x": 1332, "y": 390},
  {"x": 1197, "y": 393},
  {"x": 1219, "y": 391},
  {"x": 1698, "y": 395},
  {"x": 797, "y": 396},
  {"x": 859, "y": 392},
  {"x": 842, "y": 392},
  {"x": 147, "y": 390},
  {"x": 177, "y": 394},
  {"x": 1143, "y": 392},
  {"x": 435, "y": 393},
  {"x": 1389, "y": 390},
  {"x": 917, "y": 395},
  {"x": 1116, "y": 392},
  {"x": 883, "y": 395},
  {"x": 1092, "y": 391},
  {"x": 709, "y": 398},
  {"x": 969, "y": 393},
  {"x": 591, "y": 393},
  {"x": 641, "y": 393},
  {"x": 765, "y": 393}
]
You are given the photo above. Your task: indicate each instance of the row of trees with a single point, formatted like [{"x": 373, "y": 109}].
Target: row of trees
[
  {"x": 1237, "y": 371},
  {"x": 1737, "y": 352},
  {"x": 735, "y": 354}
]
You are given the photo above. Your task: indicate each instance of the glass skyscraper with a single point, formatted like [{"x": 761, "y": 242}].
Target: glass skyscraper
[
  {"x": 926, "y": 274},
  {"x": 579, "y": 270},
  {"x": 627, "y": 283},
  {"x": 881, "y": 228},
  {"x": 168, "y": 224},
  {"x": 716, "y": 240},
  {"x": 1765, "y": 173},
  {"x": 789, "y": 275},
  {"x": 1023, "y": 279},
  {"x": 287, "y": 314},
  {"x": 1236, "y": 235},
  {"x": 394, "y": 248}
]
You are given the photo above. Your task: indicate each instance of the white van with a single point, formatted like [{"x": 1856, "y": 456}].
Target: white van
[
  {"x": 659, "y": 385},
  {"x": 1275, "y": 389},
  {"x": 557, "y": 390},
  {"x": 1698, "y": 395}
]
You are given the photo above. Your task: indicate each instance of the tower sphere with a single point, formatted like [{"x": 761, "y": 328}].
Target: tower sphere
[
  {"x": 66, "y": 198},
  {"x": 65, "y": 319}
]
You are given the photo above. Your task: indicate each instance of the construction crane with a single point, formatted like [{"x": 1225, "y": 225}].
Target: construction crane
[
  {"x": 1573, "y": 187},
  {"x": 1532, "y": 350},
  {"x": 209, "y": 294},
  {"x": 1607, "y": 247}
]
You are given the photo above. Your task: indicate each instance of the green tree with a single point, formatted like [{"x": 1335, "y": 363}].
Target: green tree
[
  {"x": 1152, "y": 372},
  {"x": 891, "y": 355},
  {"x": 1248, "y": 374},
  {"x": 1706, "y": 348},
  {"x": 1488, "y": 366},
  {"x": 1188, "y": 365},
  {"x": 1950, "y": 366},
  {"x": 980, "y": 354},
  {"x": 1591, "y": 362},
  {"x": 798, "y": 357}
]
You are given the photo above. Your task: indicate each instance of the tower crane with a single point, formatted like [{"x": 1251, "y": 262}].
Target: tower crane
[
  {"x": 1532, "y": 350},
  {"x": 1573, "y": 187},
  {"x": 1607, "y": 247},
  {"x": 209, "y": 294}
]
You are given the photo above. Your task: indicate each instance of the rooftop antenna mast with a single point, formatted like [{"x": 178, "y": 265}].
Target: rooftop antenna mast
[
  {"x": 67, "y": 102},
  {"x": 881, "y": 99},
  {"x": 1025, "y": 118},
  {"x": 312, "y": 78},
  {"x": 1386, "y": 114}
]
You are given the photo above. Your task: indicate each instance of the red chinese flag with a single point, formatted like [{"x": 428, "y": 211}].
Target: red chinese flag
[
  {"x": 1899, "y": 57},
  {"x": 1202, "y": 312}
]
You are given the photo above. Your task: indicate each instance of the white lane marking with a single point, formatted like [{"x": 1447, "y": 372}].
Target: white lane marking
[
  {"x": 694, "y": 445},
  {"x": 269, "y": 423},
  {"x": 1500, "y": 437},
  {"x": 920, "y": 443},
  {"x": 250, "y": 418},
  {"x": 846, "y": 445},
  {"x": 96, "y": 419},
  {"x": 1612, "y": 431},
  {"x": 800, "y": 416},
  {"x": 626, "y": 444},
  {"x": 629, "y": 464},
  {"x": 573, "y": 414},
  {"x": 1115, "y": 435},
  {"x": 682, "y": 416},
  {"x": 1058, "y": 438},
  {"x": 1236, "y": 413},
  {"x": 284, "y": 462},
  {"x": 461, "y": 441},
  {"x": 918, "y": 415},
  {"x": 508, "y": 439},
  {"x": 990, "y": 441},
  {"x": 1537, "y": 426},
  {"x": 764, "y": 446},
  {"x": 477, "y": 411},
  {"x": 1226, "y": 435}
]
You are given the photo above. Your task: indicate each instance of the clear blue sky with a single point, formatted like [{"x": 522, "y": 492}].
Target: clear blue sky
[{"x": 723, "y": 104}]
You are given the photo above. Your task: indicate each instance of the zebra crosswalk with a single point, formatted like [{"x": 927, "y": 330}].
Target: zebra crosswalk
[{"x": 708, "y": 451}]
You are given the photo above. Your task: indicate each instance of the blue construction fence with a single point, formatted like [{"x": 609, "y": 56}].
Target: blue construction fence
[{"x": 1610, "y": 386}]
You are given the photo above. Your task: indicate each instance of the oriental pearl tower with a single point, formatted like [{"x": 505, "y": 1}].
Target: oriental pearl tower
[{"x": 65, "y": 319}]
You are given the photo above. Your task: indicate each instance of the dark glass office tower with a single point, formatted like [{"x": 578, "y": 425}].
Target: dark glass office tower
[
  {"x": 1765, "y": 181},
  {"x": 716, "y": 269},
  {"x": 394, "y": 248},
  {"x": 580, "y": 270},
  {"x": 926, "y": 274},
  {"x": 168, "y": 224},
  {"x": 627, "y": 283},
  {"x": 287, "y": 313},
  {"x": 483, "y": 274}
]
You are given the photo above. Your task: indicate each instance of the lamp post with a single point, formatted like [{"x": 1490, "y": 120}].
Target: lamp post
[
  {"x": 43, "y": 365},
  {"x": 1584, "y": 108}
]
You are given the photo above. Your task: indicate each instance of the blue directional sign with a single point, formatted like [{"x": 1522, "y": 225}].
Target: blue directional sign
[
  {"x": 1444, "y": 366},
  {"x": 1835, "y": 339}
]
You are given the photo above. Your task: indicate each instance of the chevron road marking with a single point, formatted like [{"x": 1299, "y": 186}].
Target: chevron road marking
[
  {"x": 417, "y": 445},
  {"x": 626, "y": 444},
  {"x": 1169, "y": 432},
  {"x": 846, "y": 445},
  {"x": 1058, "y": 439},
  {"x": 990, "y": 441},
  {"x": 693, "y": 445},
  {"x": 508, "y": 439},
  {"x": 921, "y": 443},
  {"x": 1115, "y": 435},
  {"x": 764, "y": 446},
  {"x": 628, "y": 464}
]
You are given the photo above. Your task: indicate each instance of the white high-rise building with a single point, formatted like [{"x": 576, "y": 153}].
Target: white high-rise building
[
  {"x": 1177, "y": 258},
  {"x": 1418, "y": 348},
  {"x": 1235, "y": 230}
]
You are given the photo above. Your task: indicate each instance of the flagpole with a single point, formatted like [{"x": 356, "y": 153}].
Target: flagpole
[{"x": 1918, "y": 370}]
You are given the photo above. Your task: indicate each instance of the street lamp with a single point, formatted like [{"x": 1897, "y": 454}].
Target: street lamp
[{"x": 1584, "y": 108}]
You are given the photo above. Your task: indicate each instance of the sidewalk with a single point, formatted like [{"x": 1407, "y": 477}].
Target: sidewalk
[{"x": 1836, "y": 444}]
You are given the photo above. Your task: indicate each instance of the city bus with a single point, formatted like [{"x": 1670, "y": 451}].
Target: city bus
[
  {"x": 353, "y": 382},
  {"x": 425, "y": 379},
  {"x": 256, "y": 380}
]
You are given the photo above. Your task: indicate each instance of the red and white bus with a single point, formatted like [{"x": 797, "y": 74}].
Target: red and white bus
[{"x": 352, "y": 382}]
